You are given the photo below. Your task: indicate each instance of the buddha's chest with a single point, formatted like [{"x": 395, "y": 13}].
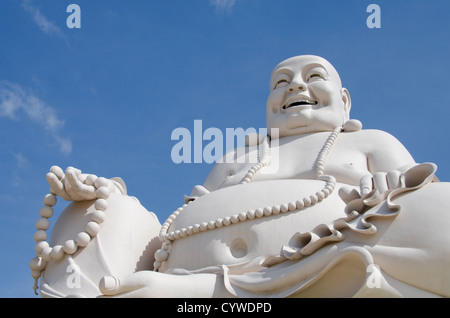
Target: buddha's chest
[{"x": 300, "y": 158}]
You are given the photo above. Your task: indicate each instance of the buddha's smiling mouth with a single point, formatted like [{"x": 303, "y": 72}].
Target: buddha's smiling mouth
[{"x": 299, "y": 102}]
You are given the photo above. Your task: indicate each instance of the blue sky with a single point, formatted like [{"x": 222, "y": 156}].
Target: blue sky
[{"x": 105, "y": 98}]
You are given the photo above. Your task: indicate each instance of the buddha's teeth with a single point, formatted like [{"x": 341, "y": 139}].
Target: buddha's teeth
[{"x": 305, "y": 101}]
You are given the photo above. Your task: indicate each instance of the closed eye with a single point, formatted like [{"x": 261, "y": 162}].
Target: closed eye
[
  {"x": 280, "y": 83},
  {"x": 315, "y": 76}
]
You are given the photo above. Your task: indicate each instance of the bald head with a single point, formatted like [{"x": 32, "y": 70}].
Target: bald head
[{"x": 306, "y": 95}]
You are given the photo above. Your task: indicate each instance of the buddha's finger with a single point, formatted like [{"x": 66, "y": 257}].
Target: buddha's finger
[
  {"x": 348, "y": 194},
  {"x": 380, "y": 182},
  {"x": 57, "y": 171},
  {"x": 57, "y": 186},
  {"x": 393, "y": 179},
  {"x": 114, "y": 286},
  {"x": 75, "y": 170},
  {"x": 78, "y": 189},
  {"x": 366, "y": 185}
]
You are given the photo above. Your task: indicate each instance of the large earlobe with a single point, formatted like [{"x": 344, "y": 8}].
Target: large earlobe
[{"x": 347, "y": 102}]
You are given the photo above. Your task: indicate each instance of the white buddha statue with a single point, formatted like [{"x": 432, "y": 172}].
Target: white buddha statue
[{"x": 329, "y": 210}]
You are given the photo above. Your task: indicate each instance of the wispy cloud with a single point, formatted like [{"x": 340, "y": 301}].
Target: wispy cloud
[
  {"x": 41, "y": 21},
  {"x": 223, "y": 5},
  {"x": 21, "y": 161},
  {"x": 15, "y": 100}
]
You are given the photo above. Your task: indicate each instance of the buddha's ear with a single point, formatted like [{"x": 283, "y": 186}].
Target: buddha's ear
[{"x": 347, "y": 102}]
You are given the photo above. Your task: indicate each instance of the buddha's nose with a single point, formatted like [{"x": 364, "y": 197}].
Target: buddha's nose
[{"x": 296, "y": 85}]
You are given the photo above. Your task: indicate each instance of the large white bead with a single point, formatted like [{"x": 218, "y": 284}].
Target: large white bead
[
  {"x": 82, "y": 239},
  {"x": 203, "y": 226},
  {"x": 329, "y": 188},
  {"x": 46, "y": 254},
  {"x": 253, "y": 139},
  {"x": 292, "y": 206},
  {"x": 306, "y": 202},
  {"x": 50, "y": 200},
  {"x": 352, "y": 125},
  {"x": 57, "y": 252},
  {"x": 98, "y": 216},
  {"x": 101, "y": 204},
  {"x": 90, "y": 179},
  {"x": 161, "y": 255},
  {"x": 251, "y": 214},
  {"x": 156, "y": 265},
  {"x": 211, "y": 225},
  {"x": 40, "y": 236},
  {"x": 267, "y": 211},
  {"x": 101, "y": 182},
  {"x": 102, "y": 192},
  {"x": 219, "y": 223},
  {"x": 42, "y": 224},
  {"x": 37, "y": 264},
  {"x": 276, "y": 209},
  {"x": 165, "y": 246},
  {"x": 46, "y": 212},
  {"x": 70, "y": 247},
  {"x": 40, "y": 247},
  {"x": 320, "y": 195},
  {"x": 227, "y": 220},
  {"x": 259, "y": 212},
  {"x": 92, "y": 228}
]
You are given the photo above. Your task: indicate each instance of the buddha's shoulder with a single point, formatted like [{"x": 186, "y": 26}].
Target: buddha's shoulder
[
  {"x": 365, "y": 139},
  {"x": 370, "y": 140},
  {"x": 368, "y": 135}
]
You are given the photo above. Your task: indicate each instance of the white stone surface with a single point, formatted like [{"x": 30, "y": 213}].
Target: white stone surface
[{"x": 347, "y": 213}]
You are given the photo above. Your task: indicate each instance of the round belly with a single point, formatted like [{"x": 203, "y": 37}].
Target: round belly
[{"x": 234, "y": 240}]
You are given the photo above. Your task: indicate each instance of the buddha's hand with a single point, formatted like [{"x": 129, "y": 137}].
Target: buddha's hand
[
  {"x": 150, "y": 284},
  {"x": 72, "y": 185},
  {"x": 142, "y": 284},
  {"x": 375, "y": 188}
]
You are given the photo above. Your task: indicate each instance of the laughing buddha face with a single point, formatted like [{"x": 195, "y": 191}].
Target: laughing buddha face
[{"x": 306, "y": 95}]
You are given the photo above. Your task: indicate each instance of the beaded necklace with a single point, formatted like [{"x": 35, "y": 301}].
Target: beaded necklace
[{"x": 167, "y": 238}]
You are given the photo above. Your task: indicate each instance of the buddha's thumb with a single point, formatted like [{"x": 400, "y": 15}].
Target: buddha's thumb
[{"x": 109, "y": 285}]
